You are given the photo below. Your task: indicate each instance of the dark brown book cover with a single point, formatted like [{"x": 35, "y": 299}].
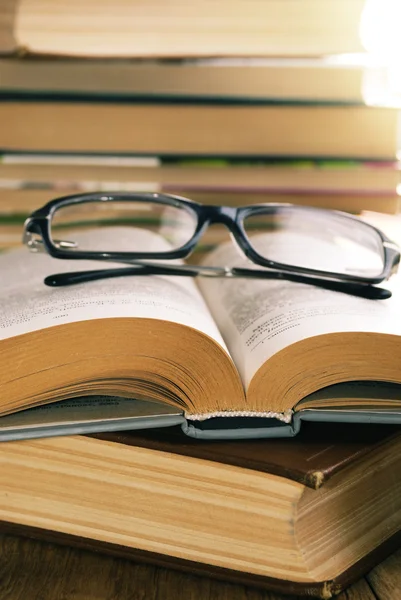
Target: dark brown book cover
[{"x": 317, "y": 454}]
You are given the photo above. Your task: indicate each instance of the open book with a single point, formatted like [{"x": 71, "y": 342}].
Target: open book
[{"x": 225, "y": 358}]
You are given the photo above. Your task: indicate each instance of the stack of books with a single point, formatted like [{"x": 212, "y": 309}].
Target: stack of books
[
  {"x": 304, "y": 515},
  {"x": 227, "y": 102}
]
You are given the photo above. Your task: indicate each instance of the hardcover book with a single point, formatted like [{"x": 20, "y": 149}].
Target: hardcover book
[
  {"x": 220, "y": 28},
  {"x": 349, "y": 78},
  {"x": 304, "y": 516},
  {"x": 150, "y": 126}
]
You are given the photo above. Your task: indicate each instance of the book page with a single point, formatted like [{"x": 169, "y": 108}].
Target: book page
[
  {"x": 27, "y": 304},
  {"x": 259, "y": 318}
]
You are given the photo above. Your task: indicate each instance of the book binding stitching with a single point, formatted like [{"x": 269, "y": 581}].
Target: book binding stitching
[{"x": 285, "y": 417}]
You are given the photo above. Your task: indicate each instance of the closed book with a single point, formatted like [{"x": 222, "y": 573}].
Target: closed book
[
  {"x": 305, "y": 516},
  {"x": 198, "y": 128},
  {"x": 203, "y": 28},
  {"x": 349, "y": 78}
]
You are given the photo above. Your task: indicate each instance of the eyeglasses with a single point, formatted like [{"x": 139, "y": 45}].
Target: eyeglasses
[{"x": 324, "y": 248}]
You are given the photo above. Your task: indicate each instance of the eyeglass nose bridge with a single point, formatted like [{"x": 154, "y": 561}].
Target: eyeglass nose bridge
[
  {"x": 227, "y": 216},
  {"x": 224, "y": 215}
]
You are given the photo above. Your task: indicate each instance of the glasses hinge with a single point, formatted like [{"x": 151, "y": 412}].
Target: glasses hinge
[
  {"x": 33, "y": 241},
  {"x": 391, "y": 245}
]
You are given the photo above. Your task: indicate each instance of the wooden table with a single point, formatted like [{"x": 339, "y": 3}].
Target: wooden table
[{"x": 33, "y": 570}]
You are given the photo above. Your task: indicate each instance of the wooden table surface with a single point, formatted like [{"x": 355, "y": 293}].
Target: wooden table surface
[{"x": 35, "y": 570}]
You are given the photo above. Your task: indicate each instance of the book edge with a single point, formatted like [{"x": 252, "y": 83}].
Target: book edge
[
  {"x": 322, "y": 589},
  {"x": 8, "y": 16}
]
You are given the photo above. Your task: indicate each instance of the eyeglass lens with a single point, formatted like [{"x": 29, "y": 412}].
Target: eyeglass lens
[
  {"x": 316, "y": 240},
  {"x": 123, "y": 226},
  {"x": 291, "y": 236}
]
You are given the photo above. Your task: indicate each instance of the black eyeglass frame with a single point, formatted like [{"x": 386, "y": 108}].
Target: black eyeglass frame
[{"x": 40, "y": 220}]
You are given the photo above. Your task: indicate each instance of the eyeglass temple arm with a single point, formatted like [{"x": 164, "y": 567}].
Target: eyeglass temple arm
[
  {"x": 70, "y": 278},
  {"x": 354, "y": 289}
]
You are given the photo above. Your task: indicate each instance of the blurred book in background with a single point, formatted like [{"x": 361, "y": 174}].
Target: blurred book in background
[
  {"x": 143, "y": 28},
  {"x": 199, "y": 128},
  {"x": 345, "y": 78}
]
